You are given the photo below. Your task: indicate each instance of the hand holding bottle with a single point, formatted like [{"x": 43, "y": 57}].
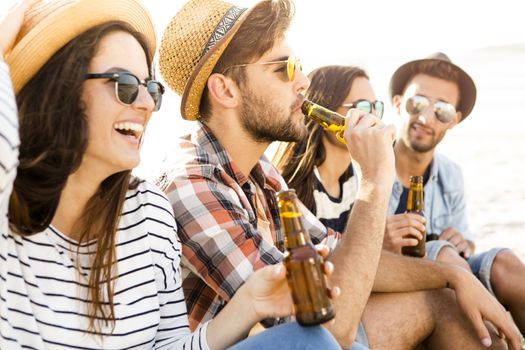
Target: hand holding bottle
[
  {"x": 267, "y": 294},
  {"x": 369, "y": 141}
]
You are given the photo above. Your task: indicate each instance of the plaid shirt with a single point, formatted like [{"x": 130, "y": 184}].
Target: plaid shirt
[{"x": 216, "y": 214}]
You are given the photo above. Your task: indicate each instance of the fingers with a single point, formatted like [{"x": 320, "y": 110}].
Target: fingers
[
  {"x": 328, "y": 268},
  {"x": 481, "y": 330},
  {"x": 464, "y": 249},
  {"x": 322, "y": 249},
  {"x": 448, "y": 233},
  {"x": 334, "y": 292},
  {"x": 400, "y": 221},
  {"x": 509, "y": 333}
]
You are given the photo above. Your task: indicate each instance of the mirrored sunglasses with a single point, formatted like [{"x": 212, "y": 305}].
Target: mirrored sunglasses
[
  {"x": 127, "y": 87},
  {"x": 368, "y": 106},
  {"x": 289, "y": 66},
  {"x": 444, "y": 111}
]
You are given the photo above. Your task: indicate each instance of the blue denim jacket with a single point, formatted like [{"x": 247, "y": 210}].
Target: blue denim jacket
[{"x": 444, "y": 198}]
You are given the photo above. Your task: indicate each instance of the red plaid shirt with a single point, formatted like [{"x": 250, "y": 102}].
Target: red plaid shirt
[{"x": 216, "y": 213}]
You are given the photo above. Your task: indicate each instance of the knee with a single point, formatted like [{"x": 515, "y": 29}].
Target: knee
[
  {"x": 507, "y": 272},
  {"x": 451, "y": 256}
]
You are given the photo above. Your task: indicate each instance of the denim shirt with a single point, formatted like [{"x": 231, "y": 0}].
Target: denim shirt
[{"x": 444, "y": 198}]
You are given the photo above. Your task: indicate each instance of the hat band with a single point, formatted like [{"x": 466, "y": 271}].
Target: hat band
[{"x": 225, "y": 24}]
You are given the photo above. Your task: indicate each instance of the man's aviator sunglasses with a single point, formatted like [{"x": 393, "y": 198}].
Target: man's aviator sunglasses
[
  {"x": 444, "y": 111},
  {"x": 292, "y": 63},
  {"x": 127, "y": 87},
  {"x": 367, "y": 106}
]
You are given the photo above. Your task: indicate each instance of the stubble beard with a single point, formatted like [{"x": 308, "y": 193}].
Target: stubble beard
[{"x": 263, "y": 121}]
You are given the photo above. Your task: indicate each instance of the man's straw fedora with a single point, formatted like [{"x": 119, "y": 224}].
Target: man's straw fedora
[
  {"x": 49, "y": 25},
  {"x": 467, "y": 88},
  {"x": 192, "y": 44}
]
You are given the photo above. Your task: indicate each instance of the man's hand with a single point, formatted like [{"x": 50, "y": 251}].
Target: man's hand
[
  {"x": 267, "y": 292},
  {"x": 403, "y": 230},
  {"x": 479, "y": 305},
  {"x": 465, "y": 248},
  {"x": 369, "y": 141},
  {"x": 10, "y": 24}
]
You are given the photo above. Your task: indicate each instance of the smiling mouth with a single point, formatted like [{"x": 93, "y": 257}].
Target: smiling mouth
[
  {"x": 422, "y": 129},
  {"x": 129, "y": 129}
]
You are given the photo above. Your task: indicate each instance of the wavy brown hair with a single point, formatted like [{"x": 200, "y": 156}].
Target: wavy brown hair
[
  {"x": 296, "y": 160},
  {"x": 267, "y": 23},
  {"x": 54, "y": 137}
]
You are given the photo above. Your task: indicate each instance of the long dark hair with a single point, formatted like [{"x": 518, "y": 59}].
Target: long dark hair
[
  {"x": 296, "y": 160},
  {"x": 54, "y": 137}
]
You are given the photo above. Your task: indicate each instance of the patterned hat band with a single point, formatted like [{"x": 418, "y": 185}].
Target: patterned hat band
[{"x": 224, "y": 25}]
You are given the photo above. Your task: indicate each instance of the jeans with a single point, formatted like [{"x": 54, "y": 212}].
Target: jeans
[
  {"x": 292, "y": 336},
  {"x": 480, "y": 264}
]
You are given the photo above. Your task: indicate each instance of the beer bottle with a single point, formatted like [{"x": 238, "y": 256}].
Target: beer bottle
[
  {"x": 415, "y": 205},
  {"x": 329, "y": 120},
  {"x": 303, "y": 266}
]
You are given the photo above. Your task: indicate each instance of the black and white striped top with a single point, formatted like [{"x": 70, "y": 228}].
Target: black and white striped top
[{"x": 43, "y": 294}]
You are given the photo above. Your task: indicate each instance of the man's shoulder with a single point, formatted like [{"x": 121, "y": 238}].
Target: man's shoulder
[
  {"x": 188, "y": 158},
  {"x": 446, "y": 165},
  {"x": 449, "y": 173}
]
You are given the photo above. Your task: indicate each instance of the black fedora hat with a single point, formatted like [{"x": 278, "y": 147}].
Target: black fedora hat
[{"x": 467, "y": 88}]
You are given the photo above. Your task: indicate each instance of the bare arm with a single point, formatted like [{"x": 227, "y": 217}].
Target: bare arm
[
  {"x": 397, "y": 273},
  {"x": 357, "y": 255}
]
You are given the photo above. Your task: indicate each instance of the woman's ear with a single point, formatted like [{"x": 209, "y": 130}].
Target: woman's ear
[{"x": 223, "y": 91}]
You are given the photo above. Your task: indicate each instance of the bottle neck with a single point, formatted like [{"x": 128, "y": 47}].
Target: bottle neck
[
  {"x": 415, "y": 202},
  {"x": 294, "y": 233}
]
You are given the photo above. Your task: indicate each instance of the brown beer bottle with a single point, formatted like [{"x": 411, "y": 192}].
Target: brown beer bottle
[
  {"x": 303, "y": 263},
  {"x": 329, "y": 120},
  {"x": 415, "y": 204}
]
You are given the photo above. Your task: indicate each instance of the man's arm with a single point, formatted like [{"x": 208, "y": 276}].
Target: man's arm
[
  {"x": 397, "y": 273},
  {"x": 357, "y": 254}
]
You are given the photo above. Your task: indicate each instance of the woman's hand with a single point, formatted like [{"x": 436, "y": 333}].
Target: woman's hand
[
  {"x": 11, "y": 23},
  {"x": 267, "y": 292}
]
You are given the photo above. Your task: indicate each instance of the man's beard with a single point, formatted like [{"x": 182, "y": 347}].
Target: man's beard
[
  {"x": 264, "y": 122},
  {"x": 419, "y": 146}
]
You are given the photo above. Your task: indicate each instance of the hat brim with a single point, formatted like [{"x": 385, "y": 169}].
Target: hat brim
[
  {"x": 64, "y": 24},
  {"x": 194, "y": 88},
  {"x": 467, "y": 87}
]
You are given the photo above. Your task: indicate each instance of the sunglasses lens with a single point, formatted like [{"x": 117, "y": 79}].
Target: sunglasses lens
[
  {"x": 417, "y": 104},
  {"x": 290, "y": 68},
  {"x": 127, "y": 88},
  {"x": 363, "y": 105},
  {"x": 155, "y": 90},
  {"x": 379, "y": 106},
  {"x": 445, "y": 112}
]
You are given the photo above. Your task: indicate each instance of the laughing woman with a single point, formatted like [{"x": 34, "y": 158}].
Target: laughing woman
[{"x": 89, "y": 256}]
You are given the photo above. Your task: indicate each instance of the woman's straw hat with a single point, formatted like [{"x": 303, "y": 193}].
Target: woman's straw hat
[
  {"x": 192, "y": 44},
  {"x": 49, "y": 25},
  {"x": 467, "y": 88}
]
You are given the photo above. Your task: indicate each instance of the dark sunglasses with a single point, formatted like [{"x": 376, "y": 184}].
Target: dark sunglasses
[
  {"x": 444, "y": 111},
  {"x": 291, "y": 64},
  {"x": 127, "y": 87},
  {"x": 367, "y": 106}
]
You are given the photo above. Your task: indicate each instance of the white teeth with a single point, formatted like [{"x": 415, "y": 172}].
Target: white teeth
[{"x": 129, "y": 126}]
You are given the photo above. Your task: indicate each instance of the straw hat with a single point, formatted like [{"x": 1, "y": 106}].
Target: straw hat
[
  {"x": 49, "y": 25},
  {"x": 192, "y": 44},
  {"x": 467, "y": 88}
]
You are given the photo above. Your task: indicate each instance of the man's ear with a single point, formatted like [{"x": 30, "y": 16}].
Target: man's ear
[
  {"x": 396, "y": 103},
  {"x": 223, "y": 90}
]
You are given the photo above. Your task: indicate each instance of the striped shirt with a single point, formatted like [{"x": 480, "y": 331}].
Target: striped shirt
[
  {"x": 43, "y": 281},
  {"x": 333, "y": 212},
  {"x": 228, "y": 223}
]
